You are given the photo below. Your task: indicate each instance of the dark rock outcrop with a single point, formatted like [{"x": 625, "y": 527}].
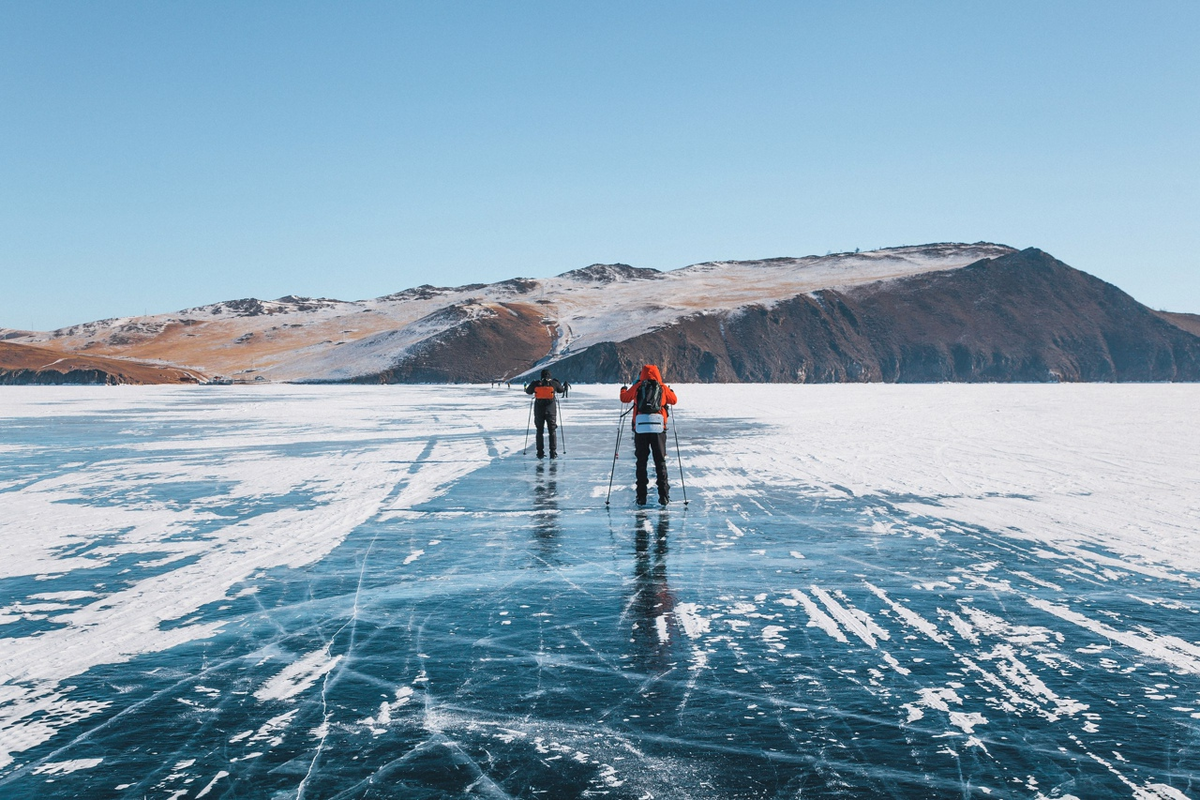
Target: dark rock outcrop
[
  {"x": 427, "y": 292},
  {"x": 1020, "y": 317},
  {"x": 49, "y": 377},
  {"x": 609, "y": 273},
  {"x": 477, "y": 350}
]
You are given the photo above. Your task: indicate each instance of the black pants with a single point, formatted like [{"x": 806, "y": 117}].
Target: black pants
[
  {"x": 643, "y": 445},
  {"x": 545, "y": 415}
]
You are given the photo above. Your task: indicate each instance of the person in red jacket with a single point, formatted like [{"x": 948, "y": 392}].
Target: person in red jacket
[{"x": 650, "y": 416}]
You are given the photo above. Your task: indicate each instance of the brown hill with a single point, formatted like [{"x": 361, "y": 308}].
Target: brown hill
[
  {"x": 1188, "y": 322},
  {"x": 28, "y": 364}
]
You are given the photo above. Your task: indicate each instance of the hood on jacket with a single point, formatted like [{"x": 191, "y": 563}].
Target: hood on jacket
[{"x": 651, "y": 371}]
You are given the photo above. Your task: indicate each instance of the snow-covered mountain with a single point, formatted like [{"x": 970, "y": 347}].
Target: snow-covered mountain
[{"x": 892, "y": 314}]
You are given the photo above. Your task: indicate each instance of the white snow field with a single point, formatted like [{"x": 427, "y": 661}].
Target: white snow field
[{"x": 353, "y": 592}]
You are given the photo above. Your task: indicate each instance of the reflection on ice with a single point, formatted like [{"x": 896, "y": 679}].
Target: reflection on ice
[
  {"x": 651, "y": 608},
  {"x": 545, "y": 518},
  {"x": 317, "y": 593}
]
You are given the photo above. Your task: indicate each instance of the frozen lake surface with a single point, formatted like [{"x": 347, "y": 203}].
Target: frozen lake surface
[{"x": 361, "y": 592}]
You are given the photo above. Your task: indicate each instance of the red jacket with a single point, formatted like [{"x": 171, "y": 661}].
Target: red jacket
[{"x": 650, "y": 371}]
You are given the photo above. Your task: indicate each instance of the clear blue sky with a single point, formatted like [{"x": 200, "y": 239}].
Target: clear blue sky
[{"x": 155, "y": 156}]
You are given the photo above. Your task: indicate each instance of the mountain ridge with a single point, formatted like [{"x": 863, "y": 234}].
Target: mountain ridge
[{"x": 942, "y": 311}]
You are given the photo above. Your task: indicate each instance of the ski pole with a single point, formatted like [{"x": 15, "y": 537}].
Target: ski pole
[
  {"x": 616, "y": 450},
  {"x": 682, "y": 482},
  {"x": 525, "y": 446},
  {"x": 562, "y": 432}
]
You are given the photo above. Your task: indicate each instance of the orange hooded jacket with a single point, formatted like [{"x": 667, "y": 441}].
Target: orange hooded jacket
[{"x": 650, "y": 371}]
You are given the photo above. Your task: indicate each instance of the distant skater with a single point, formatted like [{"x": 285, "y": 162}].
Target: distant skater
[
  {"x": 545, "y": 410},
  {"x": 651, "y": 397}
]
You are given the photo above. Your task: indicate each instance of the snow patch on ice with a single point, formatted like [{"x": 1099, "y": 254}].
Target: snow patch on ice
[
  {"x": 852, "y": 619},
  {"x": 818, "y": 618},
  {"x": 208, "y": 787},
  {"x": 66, "y": 767},
  {"x": 694, "y": 625},
  {"x": 1179, "y": 653},
  {"x": 910, "y": 617},
  {"x": 295, "y": 678}
]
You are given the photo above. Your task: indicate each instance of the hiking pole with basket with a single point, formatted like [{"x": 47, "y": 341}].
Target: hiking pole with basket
[
  {"x": 528, "y": 421},
  {"x": 682, "y": 482},
  {"x": 616, "y": 450},
  {"x": 562, "y": 432}
]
